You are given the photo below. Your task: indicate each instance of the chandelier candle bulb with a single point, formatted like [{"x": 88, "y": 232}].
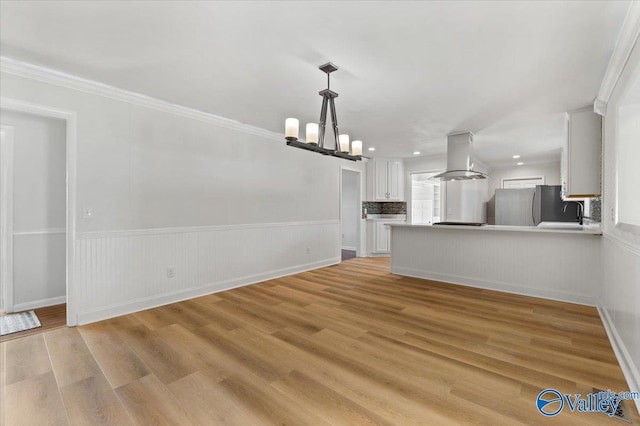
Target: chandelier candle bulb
[
  {"x": 356, "y": 148},
  {"x": 344, "y": 143},
  {"x": 312, "y": 133},
  {"x": 291, "y": 128}
]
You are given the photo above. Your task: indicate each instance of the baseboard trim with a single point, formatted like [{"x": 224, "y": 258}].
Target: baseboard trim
[
  {"x": 42, "y": 303},
  {"x": 153, "y": 302},
  {"x": 495, "y": 285},
  {"x": 629, "y": 369}
]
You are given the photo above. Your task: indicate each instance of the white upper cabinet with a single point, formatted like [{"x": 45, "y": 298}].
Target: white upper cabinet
[
  {"x": 385, "y": 180},
  {"x": 582, "y": 156}
]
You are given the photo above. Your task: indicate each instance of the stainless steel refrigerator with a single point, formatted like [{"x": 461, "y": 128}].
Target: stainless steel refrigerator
[{"x": 530, "y": 206}]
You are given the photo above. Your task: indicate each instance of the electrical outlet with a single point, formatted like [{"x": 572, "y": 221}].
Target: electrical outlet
[{"x": 171, "y": 271}]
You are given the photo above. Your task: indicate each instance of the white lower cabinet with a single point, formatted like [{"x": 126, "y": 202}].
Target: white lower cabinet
[{"x": 380, "y": 236}]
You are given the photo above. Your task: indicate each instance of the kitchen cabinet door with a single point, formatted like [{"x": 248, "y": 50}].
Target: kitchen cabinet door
[
  {"x": 382, "y": 238},
  {"x": 582, "y": 156},
  {"x": 380, "y": 176},
  {"x": 388, "y": 180},
  {"x": 395, "y": 180}
]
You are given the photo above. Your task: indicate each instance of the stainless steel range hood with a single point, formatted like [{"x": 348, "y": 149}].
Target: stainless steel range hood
[{"x": 460, "y": 159}]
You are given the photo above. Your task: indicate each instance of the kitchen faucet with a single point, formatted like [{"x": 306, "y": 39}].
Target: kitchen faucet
[{"x": 580, "y": 210}]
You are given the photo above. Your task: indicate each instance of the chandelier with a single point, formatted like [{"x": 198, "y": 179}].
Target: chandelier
[{"x": 316, "y": 132}]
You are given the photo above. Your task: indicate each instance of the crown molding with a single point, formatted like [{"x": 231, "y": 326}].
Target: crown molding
[
  {"x": 59, "y": 78},
  {"x": 627, "y": 39}
]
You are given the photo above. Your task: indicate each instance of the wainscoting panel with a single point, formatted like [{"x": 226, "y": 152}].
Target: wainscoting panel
[
  {"x": 124, "y": 271},
  {"x": 620, "y": 305},
  {"x": 557, "y": 266}
]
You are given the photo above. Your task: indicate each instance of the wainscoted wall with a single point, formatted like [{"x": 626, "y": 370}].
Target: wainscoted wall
[
  {"x": 126, "y": 271},
  {"x": 173, "y": 186},
  {"x": 551, "y": 265},
  {"x": 619, "y": 294},
  {"x": 620, "y": 304}
]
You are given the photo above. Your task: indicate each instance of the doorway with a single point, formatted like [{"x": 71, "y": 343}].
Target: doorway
[
  {"x": 426, "y": 199},
  {"x": 33, "y": 212},
  {"x": 350, "y": 212},
  {"x": 70, "y": 119}
]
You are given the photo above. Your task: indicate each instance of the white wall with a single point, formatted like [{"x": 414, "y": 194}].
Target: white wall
[
  {"x": 182, "y": 176},
  {"x": 350, "y": 215},
  {"x": 619, "y": 293},
  {"x": 550, "y": 172},
  {"x": 39, "y": 213}
]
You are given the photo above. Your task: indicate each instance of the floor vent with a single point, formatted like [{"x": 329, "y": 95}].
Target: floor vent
[{"x": 620, "y": 413}]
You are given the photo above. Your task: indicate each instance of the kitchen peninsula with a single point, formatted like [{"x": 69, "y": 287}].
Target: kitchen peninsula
[{"x": 551, "y": 263}]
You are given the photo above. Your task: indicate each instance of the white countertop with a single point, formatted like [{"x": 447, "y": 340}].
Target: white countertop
[
  {"x": 555, "y": 229},
  {"x": 386, "y": 217}
]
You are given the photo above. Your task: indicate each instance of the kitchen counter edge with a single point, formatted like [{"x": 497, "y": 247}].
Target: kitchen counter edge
[{"x": 502, "y": 228}]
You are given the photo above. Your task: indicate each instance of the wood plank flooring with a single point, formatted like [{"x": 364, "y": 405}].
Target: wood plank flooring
[
  {"x": 350, "y": 344},
  {"x": 51, "y": 317}
]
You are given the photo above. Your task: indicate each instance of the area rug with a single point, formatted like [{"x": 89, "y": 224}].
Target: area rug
[{"x": 12, "y": 323}]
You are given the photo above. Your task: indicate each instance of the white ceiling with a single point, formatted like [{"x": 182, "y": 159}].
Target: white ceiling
[{"x": 410, "y": 72}]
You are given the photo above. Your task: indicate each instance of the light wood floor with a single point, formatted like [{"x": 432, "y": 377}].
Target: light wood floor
[
  {"x": 350, "y": 344},
  {"x": 51, "y": 317}
]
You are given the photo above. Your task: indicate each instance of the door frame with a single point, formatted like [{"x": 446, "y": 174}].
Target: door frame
[
  {"x": 409, "y": 193},
  {"x": 359, "y": 251},
  {"x": 70, "y": 117},
  {"x": 6, "y": 217}
]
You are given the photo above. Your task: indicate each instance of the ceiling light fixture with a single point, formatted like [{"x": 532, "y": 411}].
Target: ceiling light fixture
[
  {"x": 416, "y": 152},
  {"x": 372, "y": 149},
  {"x": 520, "y": 163},
  {"x": 516, "y": 156},
  {"x": 316, "y": 132}
]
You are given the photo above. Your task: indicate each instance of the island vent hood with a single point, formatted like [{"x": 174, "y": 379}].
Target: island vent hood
[{"x": 460, "y": 159}]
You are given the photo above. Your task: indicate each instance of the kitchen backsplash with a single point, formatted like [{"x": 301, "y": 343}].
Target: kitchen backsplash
[
  {"x": 384, "y": 207},
  {"x": 596, "y": 209}
]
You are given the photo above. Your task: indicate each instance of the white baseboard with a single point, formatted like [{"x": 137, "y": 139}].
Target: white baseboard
[
  {"x": 629, "y": 369},
  {"x": 167, "y": 298},
  {"x": 39, "y": 303},
  {"x": 495, "y": 285}
]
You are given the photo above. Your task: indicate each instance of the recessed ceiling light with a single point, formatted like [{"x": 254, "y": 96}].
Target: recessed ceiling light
[
  {"x": 516, "y": 156},
  {"x": 372, "y": 149},
  {"x": 416, "y": 152},
  {"x": 520, "y": 163}
]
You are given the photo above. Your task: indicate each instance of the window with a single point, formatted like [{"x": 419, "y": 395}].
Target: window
[
  {"x": 628, "y": 153},
  {"x": 522, "y": 182}
]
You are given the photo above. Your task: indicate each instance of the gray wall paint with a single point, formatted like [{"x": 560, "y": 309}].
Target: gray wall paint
[{"x": 39, "y": 199}]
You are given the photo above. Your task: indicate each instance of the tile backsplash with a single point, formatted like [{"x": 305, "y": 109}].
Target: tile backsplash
[
  {"x": 596, "y": 209},
  {"x": 384, "y": 207}
]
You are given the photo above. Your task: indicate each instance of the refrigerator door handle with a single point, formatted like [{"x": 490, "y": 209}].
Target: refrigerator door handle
[{"x": 533, "y": 208}]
